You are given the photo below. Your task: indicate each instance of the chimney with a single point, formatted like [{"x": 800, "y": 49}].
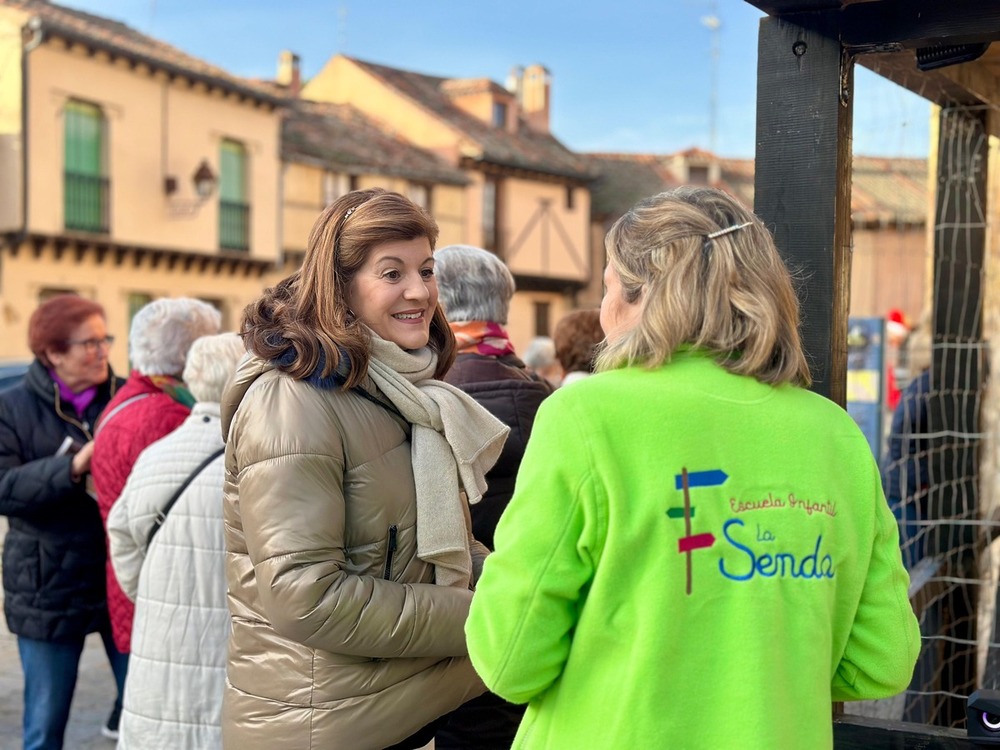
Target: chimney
[
  {"x": 535, "y": 97},
  {"x": 514, "y": 80},
  {"x": 288, "y": 72}
]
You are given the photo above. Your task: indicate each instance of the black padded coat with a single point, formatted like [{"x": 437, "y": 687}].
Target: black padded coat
[
  {"x": 510, "y": 393},
  {"x": 54, "y": 551}
]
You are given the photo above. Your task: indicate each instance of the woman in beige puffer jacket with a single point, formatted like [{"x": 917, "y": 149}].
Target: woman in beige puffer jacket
[{"x": 343, "y": 636}]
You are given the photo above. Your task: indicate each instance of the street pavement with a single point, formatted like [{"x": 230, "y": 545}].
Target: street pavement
[{"x": 95, "y": 692}]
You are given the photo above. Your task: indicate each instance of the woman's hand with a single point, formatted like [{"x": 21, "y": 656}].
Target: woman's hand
[{"x": 81, "y": 461}]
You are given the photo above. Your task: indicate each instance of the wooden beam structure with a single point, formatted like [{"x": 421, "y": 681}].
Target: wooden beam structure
[
  {"x": 807, "y": 50},
  {"x": 802, "y": 180}
]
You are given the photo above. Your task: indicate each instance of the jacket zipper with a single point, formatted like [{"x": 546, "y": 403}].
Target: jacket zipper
[
  {"x": 390, "y": 552},
  {"x": 84, "y": 426}
]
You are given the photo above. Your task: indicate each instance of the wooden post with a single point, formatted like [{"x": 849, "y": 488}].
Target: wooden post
[{"x": 802, "y": 179}]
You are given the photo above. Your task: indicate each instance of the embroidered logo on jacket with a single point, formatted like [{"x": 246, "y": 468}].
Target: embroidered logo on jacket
[{"x": 759, "y": 554}]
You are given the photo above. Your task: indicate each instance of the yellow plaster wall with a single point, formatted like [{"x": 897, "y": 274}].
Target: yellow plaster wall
[
  {"x": 109, "y": 283},
  {"x": 302, "y": 203},
  {"x": 532, "y": 242},
  {"x": 479, "y": 105},
  {"x": 10, "y": 119},
  {"x": 888, "y": 271},
  {"x": 155, "y": 128},
  {"x": 521, "y": 319},
  {"x": 449, "y": 207}
]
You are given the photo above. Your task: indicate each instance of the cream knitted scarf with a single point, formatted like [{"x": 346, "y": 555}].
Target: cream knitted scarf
[{"x": 454, "y": 442}]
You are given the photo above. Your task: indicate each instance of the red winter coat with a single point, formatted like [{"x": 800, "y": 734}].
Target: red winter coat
[{"x": 116, "y": 447}]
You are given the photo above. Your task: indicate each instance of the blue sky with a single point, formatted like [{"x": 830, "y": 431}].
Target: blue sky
[{"x": 629, "y": 75}]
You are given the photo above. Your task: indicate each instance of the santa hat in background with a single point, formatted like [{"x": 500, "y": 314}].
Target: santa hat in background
[{"x": 897, "y": 325}]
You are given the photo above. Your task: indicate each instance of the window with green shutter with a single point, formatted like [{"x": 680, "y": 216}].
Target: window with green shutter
[
  {"x": 234, "y": 211},
  {"x": 85, "y": 188}
]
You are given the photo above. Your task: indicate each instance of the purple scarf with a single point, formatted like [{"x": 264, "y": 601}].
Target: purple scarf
[{"x": 79, "y": 401}]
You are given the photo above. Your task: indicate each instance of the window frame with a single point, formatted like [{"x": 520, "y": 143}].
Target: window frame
[
  {"x": 234, "y": 204},
  {"x": 86, "y": 185}
]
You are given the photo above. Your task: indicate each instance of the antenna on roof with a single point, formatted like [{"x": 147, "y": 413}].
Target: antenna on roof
[
  {"x": 713, "y": 24},
  {"x": 342, "y": 29}
]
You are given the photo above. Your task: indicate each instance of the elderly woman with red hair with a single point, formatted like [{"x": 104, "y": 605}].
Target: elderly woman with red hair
[{"x": 54, "y": 552}]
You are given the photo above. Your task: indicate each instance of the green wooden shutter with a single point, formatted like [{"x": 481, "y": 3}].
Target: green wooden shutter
[
  {"x": 85, "y": 189},
  {"x": 234, "y": 213}
]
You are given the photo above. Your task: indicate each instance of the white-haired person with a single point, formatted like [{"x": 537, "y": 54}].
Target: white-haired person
[
  {"x": 714, "y": 563},
  {"x": 475, "y": 289},
  {"x": 168, "y": 552},
  {"x": 152, "y": 403},
  {"x": 540, "y": 358}
]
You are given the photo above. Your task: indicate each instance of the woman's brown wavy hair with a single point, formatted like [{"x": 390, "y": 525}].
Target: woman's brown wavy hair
[{"x": 308, "y": 311}]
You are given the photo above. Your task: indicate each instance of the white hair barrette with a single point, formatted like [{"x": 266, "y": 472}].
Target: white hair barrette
[
  {"x": 727, "y": 230},
  {"x": 706, "y": 245}
]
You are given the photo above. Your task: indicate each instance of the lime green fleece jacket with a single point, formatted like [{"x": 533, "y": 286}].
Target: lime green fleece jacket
[{"x": 692, "y": 559}]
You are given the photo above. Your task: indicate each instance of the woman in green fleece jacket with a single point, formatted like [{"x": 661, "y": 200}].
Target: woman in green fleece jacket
[{"x": 698, "y": 553}]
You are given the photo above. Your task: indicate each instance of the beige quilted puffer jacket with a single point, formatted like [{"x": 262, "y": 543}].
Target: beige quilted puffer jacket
[{"x": 339, "y": 639}]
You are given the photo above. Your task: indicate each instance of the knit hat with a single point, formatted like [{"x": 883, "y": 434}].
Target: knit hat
[{"x": 896, "y": 323}]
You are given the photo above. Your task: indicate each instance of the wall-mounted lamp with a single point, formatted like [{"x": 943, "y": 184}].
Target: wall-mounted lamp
[{"x": 204, "y": 181}]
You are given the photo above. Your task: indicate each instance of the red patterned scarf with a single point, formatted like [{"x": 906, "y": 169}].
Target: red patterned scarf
[{"x": 482, "y": 337}]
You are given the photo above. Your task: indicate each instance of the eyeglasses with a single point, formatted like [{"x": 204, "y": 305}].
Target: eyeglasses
[{"x": 92, "y": 345}]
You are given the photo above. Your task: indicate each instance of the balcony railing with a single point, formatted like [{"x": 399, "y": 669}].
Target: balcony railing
[
  {"x": 234, "y": 226},
  {"x": 86, "y": 202}
]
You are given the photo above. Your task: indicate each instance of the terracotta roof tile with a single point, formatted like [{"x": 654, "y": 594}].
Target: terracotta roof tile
[
  {"x": 338, "y": 137},
  {"x": 526, "y": 149},
  {"x": 460, "y": 86},
  {"x": 120, "y": 39},
  {"x": 884, "y": 190},
  {"x": 625, "y": 179}
]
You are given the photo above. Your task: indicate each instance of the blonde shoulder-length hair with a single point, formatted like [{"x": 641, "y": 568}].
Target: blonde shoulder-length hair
[{"x": 730, "y": 295}]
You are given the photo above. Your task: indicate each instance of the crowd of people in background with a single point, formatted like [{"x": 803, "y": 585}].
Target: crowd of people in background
[{"x": 363, "y": 520}]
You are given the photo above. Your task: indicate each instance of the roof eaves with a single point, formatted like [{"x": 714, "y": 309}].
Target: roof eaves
[
  {"x": 362, "y": 168},
  {"x": 582, "y": 175},
  {"x": 48, "y": 27}
]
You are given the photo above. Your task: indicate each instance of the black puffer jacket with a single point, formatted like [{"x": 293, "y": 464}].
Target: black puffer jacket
[
  {"x": 54, "y": 552},
  {"x": 512, "y": 395}
]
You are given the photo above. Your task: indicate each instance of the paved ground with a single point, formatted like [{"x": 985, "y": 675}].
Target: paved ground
[{"x": 95, "y": 692}]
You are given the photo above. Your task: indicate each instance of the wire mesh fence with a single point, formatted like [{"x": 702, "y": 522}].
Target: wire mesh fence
[{"x": 940, "y": 441}]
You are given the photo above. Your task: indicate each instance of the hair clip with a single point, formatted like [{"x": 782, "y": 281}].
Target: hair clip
[
  {"x": 706, "y": 245},
  {"x": 727, "y": 230}
]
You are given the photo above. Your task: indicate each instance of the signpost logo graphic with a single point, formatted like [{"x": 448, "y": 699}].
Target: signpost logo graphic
[{"x": 690, "y": 542}]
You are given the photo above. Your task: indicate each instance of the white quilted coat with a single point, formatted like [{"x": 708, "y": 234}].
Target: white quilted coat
[{"x": 176, "y": 673}]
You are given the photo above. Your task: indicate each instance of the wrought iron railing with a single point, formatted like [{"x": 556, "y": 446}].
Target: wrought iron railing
[{"x": 234, "y": 226}]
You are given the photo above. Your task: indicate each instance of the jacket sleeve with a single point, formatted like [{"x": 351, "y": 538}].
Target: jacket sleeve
[
  {"x": 127, "y": 552},
  {"x": 547, "y": 542},
  {"x": 884, "y": 641},
  {"x": 291, "y": 501},
  {"x": 31, "y": 487}
]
